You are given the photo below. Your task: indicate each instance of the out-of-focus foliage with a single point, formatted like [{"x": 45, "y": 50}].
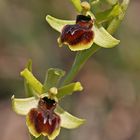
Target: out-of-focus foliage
[{"x": 111, "y": 99}]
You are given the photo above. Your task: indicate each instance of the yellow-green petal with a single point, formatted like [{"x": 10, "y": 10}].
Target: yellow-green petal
[
  {"x": 69, "y": 89},
  {"x": 24, "y": 105},
  {"x": 67, "y": 120}
]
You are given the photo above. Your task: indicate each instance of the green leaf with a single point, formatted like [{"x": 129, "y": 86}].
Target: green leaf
[
  {"x": 34, "y": 83},
  {"x": 77, "y": 5},
  {"x": 52, "y": 78},
  {"x": 108, "y": 14},
  {"x": 69, "y": 89},
  {"x": 67, "y": 120},
  {"x": 24, "y": 105},
  {"x": 102, "y": 37}
]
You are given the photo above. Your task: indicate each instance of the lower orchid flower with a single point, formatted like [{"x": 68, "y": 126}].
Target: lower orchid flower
[{"x": 44, "y": 116}]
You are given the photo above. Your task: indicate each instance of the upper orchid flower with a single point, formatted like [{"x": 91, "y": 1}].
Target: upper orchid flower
[
  {"x": 82, "y": 33},
  {"x": 79, "y": 35},
  {"x": 43, "y": 114}
]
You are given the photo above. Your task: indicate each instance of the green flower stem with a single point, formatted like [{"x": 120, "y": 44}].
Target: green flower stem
[
  {"x": 37, "y": 86},
  {"x": 77, "y": 5},
  {"x": 83, "y": 56},
  {"x": 80, "y": 59}
]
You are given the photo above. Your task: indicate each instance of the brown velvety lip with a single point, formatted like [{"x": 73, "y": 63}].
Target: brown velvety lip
[
  {"x": 43, "y": 118},
  {"x": 81, "y": 32}
]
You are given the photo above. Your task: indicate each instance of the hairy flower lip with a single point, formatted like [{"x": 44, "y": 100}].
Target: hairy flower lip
[
  {"x": 75, "y": 34},
  {"x": 44, "y": 122},
  {"x": 78, "y": 34},
  {"x": 43, "y": 119}
]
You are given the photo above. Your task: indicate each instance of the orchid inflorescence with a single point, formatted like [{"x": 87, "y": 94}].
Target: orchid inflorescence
[{"x": 86, "y": 34}]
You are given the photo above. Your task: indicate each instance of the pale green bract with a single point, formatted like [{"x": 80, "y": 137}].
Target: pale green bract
[{"x": 102, "y": 37}]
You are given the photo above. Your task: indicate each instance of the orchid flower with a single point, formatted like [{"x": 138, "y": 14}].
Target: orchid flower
[
  {"x": 80, "y": 34},
  {"x": 43, "y": 114}
]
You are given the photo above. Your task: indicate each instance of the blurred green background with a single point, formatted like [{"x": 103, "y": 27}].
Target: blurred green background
[{"x": 110, "y": 100}]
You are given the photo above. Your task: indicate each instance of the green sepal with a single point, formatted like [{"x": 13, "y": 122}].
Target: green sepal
[
  {"x": 24, "y": 105},
  {"x": 33, "y": 82},
  {"x": 108, "y": 14},
  {"x": 52, "y": 78},
  {"x": 69, "y": 89},
  {"x": 67, "y": 120},
  {"x": 58, "y": 24},
  {"x": 102, "y": 37}
]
